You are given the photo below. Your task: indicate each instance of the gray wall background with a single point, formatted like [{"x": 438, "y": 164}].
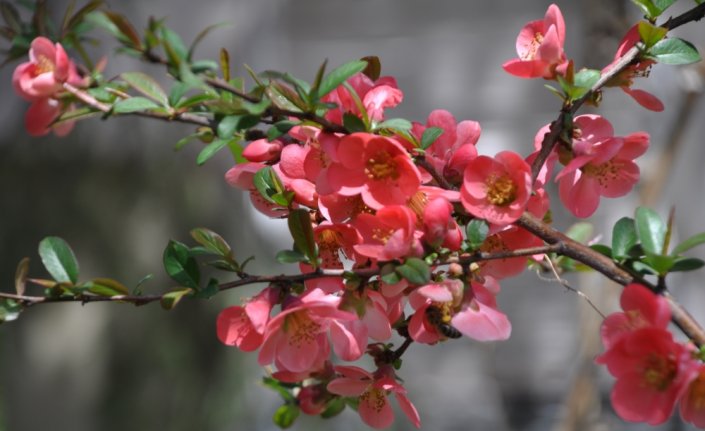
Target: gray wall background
[{"x": 117, "y": 193}]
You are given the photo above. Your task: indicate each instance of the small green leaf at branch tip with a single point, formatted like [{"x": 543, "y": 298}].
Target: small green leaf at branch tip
[
  {"x": 285, "y": 416},
  {"x": 339, "y": 75},
  {"x": 624, "y": 237},
  {"x": 415, "y": 271},
  {"x": 9, "y": 310},
  {"x": 689, "y": 243},
  {"x": 21, "y": 276},
  {"x": 107, "y": 287},
  {"x": 674, "y": 51},
  {"x": 299, "y": 222},
  {"x": 59, "y": 260},
  {"x": 210, "y": 150},
  {"x": 476, "y": 232},
  {"x": 212, "y": 241},
  {"x": 180, "y": 265},
  {"x": 133, "y": 104},
  {"x": 171, "y": 299},
  {"x": 146, "y": 85},
  {"x": 650, "y": 229},
  {"x": 650, "y": 34},
  {"x": 429, "y": 136}
]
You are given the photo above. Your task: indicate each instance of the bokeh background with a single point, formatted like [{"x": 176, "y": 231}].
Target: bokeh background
[{"x": 117, "y": 192}]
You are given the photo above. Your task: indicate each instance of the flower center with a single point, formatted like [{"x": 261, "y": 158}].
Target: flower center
[
  {"x": 381, "y": 167},
  {"x": 300, "y": 328},
  {"x": 375, "y": 398},
  {"x": 417, "y": 203},
  {"x": 329, "y": 244},
  {"x": 659, "y": 372},
  {"x": 44, "y": 65},
  {"x": 501, "y": 191},
  {"x": 382, "y": 235},
  {"x": 604, "y": 173},
  {"x": 530, "y": 53}
]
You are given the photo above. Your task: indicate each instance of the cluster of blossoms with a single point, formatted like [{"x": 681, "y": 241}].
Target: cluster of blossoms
[
  {"x": 653, "y": 371},
  {"x": 375, "y": 198},
  {"x": 40, "y": 81}
]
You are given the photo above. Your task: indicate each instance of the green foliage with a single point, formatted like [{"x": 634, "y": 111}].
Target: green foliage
[
  {"x": 133, "y": 104},
  {"x": 650, "y": 34},
  {"x": 106, "y": 287},
  {"x": 146, "y": 85},
  {"x": 674, "y": 51},
  {"x": 9, "y": 310},
  {"x": 180, "y": 265},
  {"x": 211, "y": 149},
  {"x": 579, "y": 84},
  {"x": 270, "y": 187},
  {"x": 333, "y": 408},
  {"x": 171, "y": 299},
  {"x": 476, "y": 232},
  {"x": 429, "y": 136},
  {"x": 59, "y": 260},
  {"x": 624, "y": 238},
  {"x": 299, "y": 222},
  {"x": 652, "y": 9},
  {"x": 415, "y": 271},
  {"x": 338, "y": 76}
]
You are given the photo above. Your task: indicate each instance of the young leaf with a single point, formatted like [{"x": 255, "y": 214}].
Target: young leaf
[
  {"x": 299, "y": 222},
  {"x": 133, "y": 104},
  {"x": 689, "y": 243},
  {"x": 331, "y": 81},
  {"x": 624, "y": 237},
  {"x": 650, "y": 34},
  {"x": 180, "y": 265},
  {"x": 170, "y": 299},
  {"x": 648, "y": 8},
  {"x": 209, "y": 150},
  {"x": 212, "y": 241},
  {"x": 107, "y": 287},
  {"x": 146, "y": 85},
  {"x": 21, "y": 276},
  {"x": 353, "y": 123},
  {"x": 127, "y": 33},
  {"x": 285, "y": 415},
  {"x": 415, "y": 270},
  {"x": 290, "y": 256},
  {"x": 9, "y": 310},
  {"x": 674, "y": 51},
  {"x": 429, "y": 136},
  {"x": 476, "y": 232},
  {"x": 687, "y": 264},
  {"x": 333, "y": 408},
  {"x": 650, "y": 229},
  {"x": 58, "y": 259}
]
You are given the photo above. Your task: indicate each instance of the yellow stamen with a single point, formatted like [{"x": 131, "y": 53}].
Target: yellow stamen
[{"x": 501, "y": 191}]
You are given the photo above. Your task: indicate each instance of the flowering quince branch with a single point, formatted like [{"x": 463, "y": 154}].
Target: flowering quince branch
[{"x": 397, "y": 226}]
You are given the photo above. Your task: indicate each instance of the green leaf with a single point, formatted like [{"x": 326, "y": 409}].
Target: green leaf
[
  {"x": 602, "y": 249},
  {"x": 650, "y": 34},
  {"x": 280, "y": 128},
  {"x": 123, "y": 30},
  {"x": 203, "y": 33},
  {"x": 234, "y": 123},
  {"x": 395, "y": 124},
  {"x": 174, "y": 46},
  {"x": 476, "y": 232},
  {"x": 415, "y": 270},
  {"x": 171, "y": 299},
  {"x": 146, "y": 85},
  {"x": 133, "y": 104},
  {"x": 648, "y": 8},
  {"x": 279, "y": 387},
  {"x": 211, "y": 241},
  {"x": 21, "y": 276},
  {"x": 429, "y": 136},
  {"x": 209, "y": 150},
  {"x": 9, "y": 310},
  {"x": 339, "y": 75},
  {"x": 290, "y": 256},
  {"x": 662, "y": 5},
  {"x": 285, "y": 415},
  {"x": 180, "y": 265},
  {"x": 299, "y": 222},
  {"x": 624, "y": 237},
  {"x": 674, "y": 51},
  {"x": 582, "y": 83},
  {"x": 333, "y": 408},
  {"x": 689, "y": 243},
  {"x": 107, "y": 287},
  {"x": 353, "y": 123},
  {"x": 661, "y": 264},
  {"x": 650, "y": 229},
  {"x": 580, "y": 232},
  {"x": 267, "y": 183},
  {"x": 210, "y": 290},
  {"x": 58, "y": 259},
  {"x": 687, "y": 264}
]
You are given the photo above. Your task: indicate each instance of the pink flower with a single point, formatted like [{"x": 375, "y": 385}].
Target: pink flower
[
  {"x": 692, "y": 403},
  {"x": 508, "y": 239},
  {"x": 540, "y": 47},
  {"x": 454, "y": 148},
  {"x": 241, "y": 176},
  {"x": 262, "y": 150},
  {"x": 388, "y": 234},
  {"x": 45, "y": 72},
  {"x": 440, "y": 228},
  {"x": 625, "y": 78},
  {"x": 376, "y": 167},
  {"x": 296, "y": 339},
  {"x": 651, "y": 370},
  {"x": 375, "y": 97},
  {"x": 498, "y": 189},
  {"x": 41, "y": 115},
  {"x": 372, "y": 392},
  {"x": 603, "y": 168},
  {"x": 334, "y": 240},
  {"x": 244, "y": 326}
]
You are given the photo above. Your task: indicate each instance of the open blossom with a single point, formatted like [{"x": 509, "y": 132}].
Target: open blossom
[
  {"x": 47, "y": 69},
  {"x": 372, "y": 392},
  {"x": 496, "y": 189},
  {"x": 42, "y": 113},
  {"x": 375, "y": 96},
  {"x": 601, "y": 165},
  {"x": 244, "y": 326},
  {"x": 540, "y": 47},
  {"x": 296, "y": 339},
  {"x": 376, "y": 167},
  {"x": 625, "y": 78},
  {"x": 388, "y": 234}
]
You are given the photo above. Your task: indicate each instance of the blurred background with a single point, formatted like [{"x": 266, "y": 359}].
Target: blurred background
[{"x": 117, "y": 192}]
